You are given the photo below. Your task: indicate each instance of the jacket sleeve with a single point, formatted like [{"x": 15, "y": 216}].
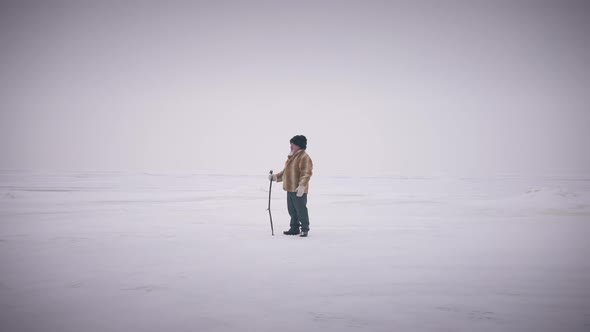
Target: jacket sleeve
[
  {"x": 280, "y": 175},
  {"x": 305, "y": 171}
]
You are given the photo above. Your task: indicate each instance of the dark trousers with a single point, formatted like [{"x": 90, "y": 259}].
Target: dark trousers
[{"x": 297, "y": 207}]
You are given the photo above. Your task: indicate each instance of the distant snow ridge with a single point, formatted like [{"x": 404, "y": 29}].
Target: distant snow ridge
[
  {"x": 552, "y": 192},
  {"x": 555, "y": 201},
  {"x": 9, "y": 196}
]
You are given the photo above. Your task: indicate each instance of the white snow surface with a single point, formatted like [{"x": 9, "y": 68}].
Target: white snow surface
[{"x": 194, "y": 252}]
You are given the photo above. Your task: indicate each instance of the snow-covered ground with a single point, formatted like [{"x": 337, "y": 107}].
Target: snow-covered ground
[{"x": 101, "y": 252}]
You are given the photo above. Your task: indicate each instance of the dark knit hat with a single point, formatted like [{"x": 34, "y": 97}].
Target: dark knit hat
[{"x": 300, "y": 141}]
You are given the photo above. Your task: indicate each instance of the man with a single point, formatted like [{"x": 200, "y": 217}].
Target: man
[{"x": 295, "y": 177}]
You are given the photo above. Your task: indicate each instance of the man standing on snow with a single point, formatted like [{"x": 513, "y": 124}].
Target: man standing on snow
[{"x": 295, "y": 177}]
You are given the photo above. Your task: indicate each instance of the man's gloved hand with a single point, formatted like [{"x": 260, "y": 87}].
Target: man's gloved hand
[
  {"x": 272, "y": 177},
  {"x": 300, "y": 191}
]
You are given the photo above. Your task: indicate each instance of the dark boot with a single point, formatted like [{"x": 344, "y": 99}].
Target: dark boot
[
  {"x": 291, "y": 232},
  {"x": 303, "y": 234}
]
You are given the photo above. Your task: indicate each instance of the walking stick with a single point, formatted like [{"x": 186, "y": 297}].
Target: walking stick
[{"x": 272, "y": 231}]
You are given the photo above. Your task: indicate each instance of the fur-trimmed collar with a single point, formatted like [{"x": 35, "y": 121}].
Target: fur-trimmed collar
[{"x": 295, "y": 153}]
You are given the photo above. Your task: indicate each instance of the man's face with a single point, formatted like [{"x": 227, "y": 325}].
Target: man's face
[{"x": 294, "y": 148}]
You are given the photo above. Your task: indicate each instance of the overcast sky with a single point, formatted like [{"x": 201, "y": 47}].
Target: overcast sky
[{"x": 378, "y": 87}]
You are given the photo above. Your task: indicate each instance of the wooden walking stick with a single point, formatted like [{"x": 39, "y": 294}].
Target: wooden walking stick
[{"x": 272, "y": 231}]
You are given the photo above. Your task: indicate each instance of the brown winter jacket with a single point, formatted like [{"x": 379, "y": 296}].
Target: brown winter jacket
[{"x": 297, "y": 171}]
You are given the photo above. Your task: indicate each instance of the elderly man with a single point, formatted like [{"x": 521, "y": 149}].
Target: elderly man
[{"x": 295, "y": 177}]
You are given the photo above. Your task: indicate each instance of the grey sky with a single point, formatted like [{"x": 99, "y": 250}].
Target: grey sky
[{"x": 378, "y": 87}]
